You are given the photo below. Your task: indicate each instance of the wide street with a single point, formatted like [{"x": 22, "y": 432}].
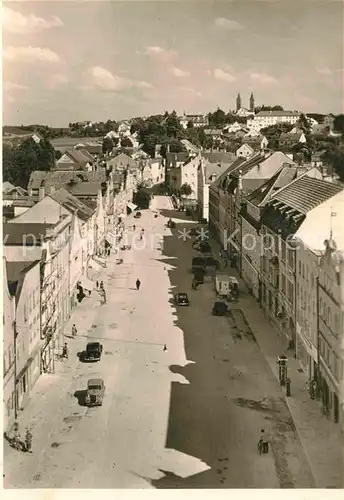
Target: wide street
[{"x": 188, "y": 417}]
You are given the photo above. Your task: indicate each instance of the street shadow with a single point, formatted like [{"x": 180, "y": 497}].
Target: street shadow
[
  {"x": 175, "y": 215},
  {"x": 81, "y": 397}
]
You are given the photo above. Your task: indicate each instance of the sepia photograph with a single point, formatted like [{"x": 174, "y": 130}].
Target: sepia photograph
[{"x": 173, "y": 245}]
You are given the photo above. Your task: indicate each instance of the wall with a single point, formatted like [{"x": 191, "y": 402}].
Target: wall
[
  {"x": 28, "y": 327},
  {"x": 8, "y": 351},
  {"x": 189, "y": 175},
  {"x": 306, "y": 308},
  {"x": 250, "y": 266}
]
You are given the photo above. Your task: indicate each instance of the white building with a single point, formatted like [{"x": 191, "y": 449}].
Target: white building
[
  {"x": 8, "y": 304},
  {"x": 244, "y": 112},
  {"x": 320, "y": 298},
  {"x": 267, "y": 118},
  {"x": 245, "y": 151}
]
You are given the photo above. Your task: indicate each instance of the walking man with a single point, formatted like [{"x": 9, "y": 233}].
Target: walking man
[
  {"x": 28, "y": 441},
  {"x": 97, "y": 284},
  {"x": 74, "y": 330},
  {"x": 138, "y": 284},
  {"x": 65, "y": 351}
]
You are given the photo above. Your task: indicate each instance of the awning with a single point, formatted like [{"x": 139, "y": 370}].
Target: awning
[
  {"x": 131, "y": 206},
  {"x": 94, "y": 265},
  {"x": 111, "y": 238},
  {"x": 86, "y": 283}
]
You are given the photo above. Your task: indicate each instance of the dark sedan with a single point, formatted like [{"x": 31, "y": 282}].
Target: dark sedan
[
  {"x": 181, "y": 299},
  {"x": 220, "y": 309}
]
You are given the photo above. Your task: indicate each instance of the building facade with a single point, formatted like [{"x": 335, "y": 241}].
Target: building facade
[{"x": 8, "y": 303}]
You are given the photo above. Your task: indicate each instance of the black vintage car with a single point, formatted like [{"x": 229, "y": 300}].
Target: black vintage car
[
  {"x": 93, "y": 351},
  {"x": 137, "y": 215},
  {"x": 181, "y": 299},
  {"x": 198, "y": 263},
  {"x": 198, "y": 276},
  {"x": 220, "y": 309}
]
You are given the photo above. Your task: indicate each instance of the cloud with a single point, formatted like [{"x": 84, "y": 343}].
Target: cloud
[
  {"x": 30, "y": 54},
  {"x": 223, "y": 76},
  {"x": 13, "y": 87},
  {"x": 159, "y": 53},
  {"x": 103, "y": 79},
  {"x": 228, "y": 24},
  {"x": 189, "y": 90},
  {"x": 179, "y": 72},
  {"x": 17, "y": 23},
  {"x": 56, "y": 80},
  {"x": 263, "y": 78},
  {"x": 324, "y": 71}
]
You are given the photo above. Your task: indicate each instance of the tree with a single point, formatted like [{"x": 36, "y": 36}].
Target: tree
[
  {"x": 126, "y": 142},
  {"x": 142, "y": 197},
  {"x": 339, "y": 123},
  {"x": 217, "y": 119},
  {"x": 19, "y": 163},
  {"x": 186, "y": 189},
  {"x": 190, "y": 124},
  {"x": 107, "y": 145},
  {"x": 303, "y": 124}
]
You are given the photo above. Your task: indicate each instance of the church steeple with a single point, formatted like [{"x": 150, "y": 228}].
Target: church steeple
[
  {"x": 251, "y": 102},
  {"x": 238, "y": 102}
]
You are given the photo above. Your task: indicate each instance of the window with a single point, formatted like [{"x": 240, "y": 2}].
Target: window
[{"x": 300, "y": 267}]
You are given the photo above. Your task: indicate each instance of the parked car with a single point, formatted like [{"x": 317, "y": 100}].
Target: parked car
[
  {"x": 213, "y": 263},
  {"x": 198, "y": 263},
  {"x": 199, "y": 276},
  {"x": 93, "y": 351},
  {"x": 95, "y": 392},
  {"x": 220, "y": 309},
  {"x": 137, "y": 215},
  {"x": 181, "y": 299},
  {"x": 204, "y": 247}
]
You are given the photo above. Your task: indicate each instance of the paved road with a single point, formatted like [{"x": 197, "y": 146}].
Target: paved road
[
  {"x": 185, "y": 418},
  {"x": 231, "y": 396},
  {"x": 122, "y": 443}
]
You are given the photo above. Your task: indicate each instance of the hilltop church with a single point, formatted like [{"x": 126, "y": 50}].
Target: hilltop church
[{"x": 244, "y": 112}]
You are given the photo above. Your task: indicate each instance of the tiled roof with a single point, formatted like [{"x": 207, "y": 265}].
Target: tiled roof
[
  {"x": 287, "y": 136},
  {"x": 305, "y": 193},
  {"x": 59, "y": 179},
  {"x": 223, "y": 177},
  {"x": 30, "y": 234},
  {"x": 122, "y": 160},
  {"x": 71, "y": 203},
  {"x": 248, "y": 164},
  {"x": 278, "y": 113},
  {"x": 80, "y": 156},
  {"x": 214, "y": 168},
  {"x": 84, "y": 188},
  {"x": 282, "y": 178},
  {"x": 219, "y": 157}
]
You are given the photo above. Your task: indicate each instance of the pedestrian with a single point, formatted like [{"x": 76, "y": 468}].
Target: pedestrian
[
  {"x": 101, "y": 286},
  {"x": 65, "y": 351},
  {"x": 74, "y": 330},
  {"x": 261, "y": 441},
  {"x": 165, "y": 348},
  {"x": 97, "y": 284},
  {"x": 134, "y": 227},
  {"x": 138, "y": 284},
  {"x": 28, "y": 441}
]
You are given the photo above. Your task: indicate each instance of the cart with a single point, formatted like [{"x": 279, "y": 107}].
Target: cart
[{"x": 222, "y": 284}]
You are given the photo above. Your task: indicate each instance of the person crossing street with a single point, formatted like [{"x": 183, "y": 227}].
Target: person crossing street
[{"x": 138, "y": 284}]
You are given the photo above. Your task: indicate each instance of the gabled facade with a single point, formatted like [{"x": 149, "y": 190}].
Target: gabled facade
[{"x": 245, "y": 151}]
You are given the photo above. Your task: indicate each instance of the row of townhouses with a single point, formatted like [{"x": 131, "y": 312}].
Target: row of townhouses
[
  {"x": 55, "y": 236},
  {"x": 281, "y": 226}
]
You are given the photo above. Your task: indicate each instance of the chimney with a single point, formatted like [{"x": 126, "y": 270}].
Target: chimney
[{"x": 41, "y": 194}]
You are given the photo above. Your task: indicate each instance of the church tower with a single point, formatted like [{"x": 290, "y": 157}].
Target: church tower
[
  {"x": 238, "y": 102},
  {"x": 252, "y": 102}
]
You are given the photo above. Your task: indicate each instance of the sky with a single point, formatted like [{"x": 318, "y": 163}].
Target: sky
[{"x": 66, "y": 61}]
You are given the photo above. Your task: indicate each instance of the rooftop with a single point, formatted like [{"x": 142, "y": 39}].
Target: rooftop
[
  {"x": 15, "y": 274},
  {"x": 278, "y": 113},
  {"x": 306, "y": 193},
  {"x": 58, "y": 179},
  {"x": 71, "y": 203},
  {"x": 282, "y": 178},
  {"x": 31, "y": 234}
]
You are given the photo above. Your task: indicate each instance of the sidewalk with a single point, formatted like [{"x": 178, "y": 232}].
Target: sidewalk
[
  {"x": 320, "y": 437},
  {"x": 38, "y": 414}
]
